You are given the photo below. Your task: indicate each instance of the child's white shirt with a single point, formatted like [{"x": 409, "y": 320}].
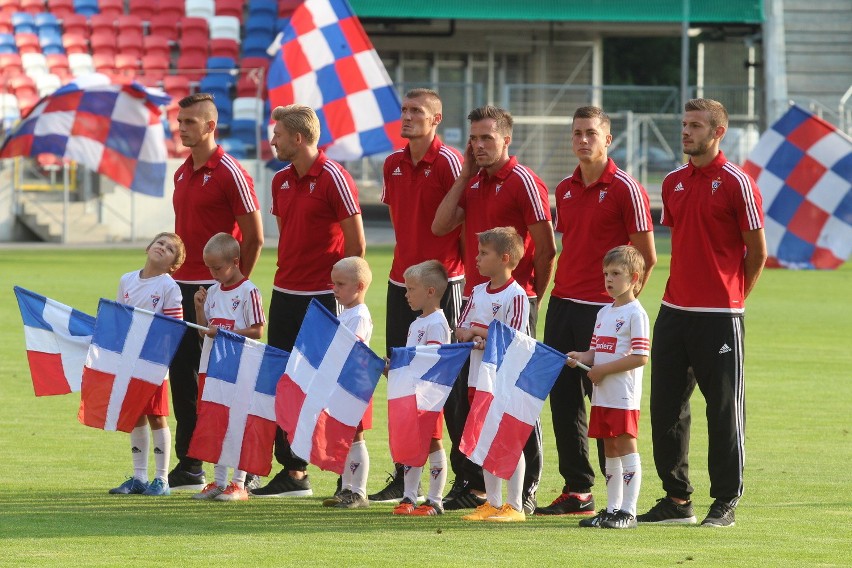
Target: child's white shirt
[
  {"x": 159, "y": 294},
  {"x": 357, "y": 320},
  {"x": 237, "y": 307},
  {"x": 433, "y": 329}
]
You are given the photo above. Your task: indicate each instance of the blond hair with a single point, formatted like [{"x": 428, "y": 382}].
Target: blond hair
[
  {"x": 180, "y": 249},
  {"x": 717, "y": 112},
  {"x": 430, "y": 273},
  {"x": 504, "y": 240},
  {"x": 357, "y": 267},
  {"x": 299, "y": 119},
  {"x": 223, "y": 245},
  {"x": 630, "y": 258}
]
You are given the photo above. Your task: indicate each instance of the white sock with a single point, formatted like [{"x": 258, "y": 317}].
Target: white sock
[
  {"x": 411, "y": 481},
  {"x": 140, "y": 445},
  {"x": 631, "y": 467},
  {"x": 614, "y": 485},
  {"x": 493, "y": 489},
  {"x": 437, "y": 475},
  {"x": 358, "y": 463},
  {"x": 515, "y": 486},
  {"x": 239, "y": 477},
  {"x": 220, "y": 475},
  {"x": 162, "y": 451}
]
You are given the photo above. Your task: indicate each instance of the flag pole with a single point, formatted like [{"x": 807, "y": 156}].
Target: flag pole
[{"x": 190, "y": 324}]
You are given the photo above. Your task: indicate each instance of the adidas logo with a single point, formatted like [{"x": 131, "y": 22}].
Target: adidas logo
[
  {"x": 397, "y": 172},
  {"x": 724, "y": 349},
  {"x": 679, "y": 187},
  {"x": 181, "y": 176},
  {"x": 286, "y": 184},
  {"x": 567, "y": 195},
  {"x": 475, "y": 185},
  {"x": 135, "y": 450},
  {"x": 158, "y": 451}
]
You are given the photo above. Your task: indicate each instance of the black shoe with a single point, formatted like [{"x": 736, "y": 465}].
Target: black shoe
[
  {"x": 352, "y": 500},
  {"x": 336, "y": 498},
  {"x": 667, "y": 511},
  {"x": 619, "y": 520},
  {"x": 282, "y": 485},
  {"x": 459, "y": 486},
  {"x": 181, "y": 479},
  {"x": 252, "y": 481},
  {"x": 465, "y": 499},
  {"x": 595, "y": 522},
  {"x": 568, "y": 504},
  {"x": 394, "y": 490},
  {"x": 721, "y": 514},
  {"x": 530, "y": 504}
]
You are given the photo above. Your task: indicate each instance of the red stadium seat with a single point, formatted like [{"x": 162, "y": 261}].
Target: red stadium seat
[
  {"x": 224, "y": 48},
  {"x": 113, "y": 8},
  {"x": 129, "y": 44},
  {"x": 129, "y": 24},
  {"x": 6, "y": 26},
  {"x": 255, "y": 62},
  {"x": 33, "y": 6},
  {"x": 144, "y": 9},
  {"x": 9, "y": 6},
  {"x": 286, "y": 7},
  {"x": 194, "y": 30},
  {"x": 27, "y": 43},
  {"x": 156, "y": 45},
  {"x": 100, "y": 22},
  {"x": 58, "y": 65},
  {"x": 127, "y": 65},
  {"x": 155, "y": 66},
  {"x": 177, "y": 86},
  {"x": 61, "y": 8},
  {"x": 165, "y": 26},
  {"x": 10, "y": 65},
  {"x": 173, "y": 9},
  {"x": 192, "y": 65},
  {"x": 104, "y": 63},
  {"x": 22, "y": 86},
  {"x": 76, "y": 24},
  {"x": 230, "y": 8},
  {"x": 75, "y": 43},
  {"x": 103, "y": 41}
]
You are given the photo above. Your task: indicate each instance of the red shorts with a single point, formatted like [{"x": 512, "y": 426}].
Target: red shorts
[
  {"x": 611, "y": 422},
  {"x": 438, "y": 432},
  {"x": 366, "y": 420},
  {"x": 159, "y": 403}
]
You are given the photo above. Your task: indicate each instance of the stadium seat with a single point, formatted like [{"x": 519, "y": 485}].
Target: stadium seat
[
  {"x": 75, "y": 43},
  {"x": 47, "y": 22},
  {"x": 104, "y": 62},
  {"x": 86, "y": 7},
  {"x": 6, "y": 26},
  {"x": 247, "y": 84},
  {"x": 10, "y": 65},
  {"x": 155, "y": 66},
  {"x": 193, "y": 31},
  {"x": 27, "y": 102},
  {"x": 233, "y": 146},
  {"x": 10, "y": 112},
  {"x": 22, "y": 86},
  {"x": 76, "y": 24},
  {"x": 130, "y": 44},
  {"x": 47, "y": 83},
  {"x": 103, "y": 41},
  {"x": 57, "y": 63},
  {"x": 24, "y": 23},
  {"x": 33, "y": 6},
  {"x": 247, "y": 118},
  {"x": 221, "y": 64},
  {"x": 113, "y": 8},
  {"x": 165, "y": 26},
  {"x": 220, "y": 86},
  {"x": 80, "y": 64},
  {"x": 127, "y": 65},
  {"x": 156, "y": 45},
  {"x": 224, "y": 48},
  {"x": 177, "y": 86},
  {"x": 129, "y": 24},
  {"x": 7, "y": 43},
  {"x": 287, "y": 7},
  {"x": 256, "y": 45},
  {"x": 34, "y": 64},
  {"x": 200, "y": 9},
  {"x": 230, "y": 8},
  {"x": 100, "y": 22},
  {"x": 192, "y": 65},
  {"x": 61, "y": 8},
  {"x": 261, "y": 24},
  {"x": 225, "y": 27},
  {"x": 197, "y": 49},
  {"x": 174, "y": 9},
  {"x": 51, "y": 42},
  {"x": 265, "y": 8},
  {"x": 144, "y": 9},
  {"x": 27, "y": 43}
]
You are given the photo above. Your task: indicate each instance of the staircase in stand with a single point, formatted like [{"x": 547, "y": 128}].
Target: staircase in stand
[{"x": 44, "y": 218}]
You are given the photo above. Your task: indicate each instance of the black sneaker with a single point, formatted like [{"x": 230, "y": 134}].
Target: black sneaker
[
  {"x": 336, "y": 498},
  {"x": 181, "y": 479},
  {"x": 530, "y": 503},
  {"x": 465, "y": 499},
  {"x": 595, "y": 522},
  {"x": 282, "y": 485},
  {"x": 721, "y": 514},
  {"x": 352, "y": 500},
  {"x": 458, "y": 487},
  {"x": 568, "y": 504},
  {"x": 619, "y": 520},
  {"x": 252, "y": 481},
  {"x": 394, "y": 490},
  {"x": 667, "y": 511}
]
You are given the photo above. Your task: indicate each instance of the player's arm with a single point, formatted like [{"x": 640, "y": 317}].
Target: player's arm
[
  {"x": 587, "y": 358},
  {"x": 251, "y": 227},
  {"x": 755, "y": 257},
  {"x": 644, "y": 243},
  {"x": 626, "y": 363},
  {"x": 545, "y": 253},
  {"x": 252, "y": 332},
  {"x": 449, "y": 215},
  {"x": 354, "y": 243},
  {"x": 199, "y": 299}
]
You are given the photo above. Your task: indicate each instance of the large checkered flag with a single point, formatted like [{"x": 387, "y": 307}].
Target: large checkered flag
[
  {"x": 112, "y": 129},
  {"x": 328, "y": 63}
]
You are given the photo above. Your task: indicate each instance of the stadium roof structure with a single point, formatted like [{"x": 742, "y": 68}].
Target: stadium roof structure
[{"x": 659, "y": 11}]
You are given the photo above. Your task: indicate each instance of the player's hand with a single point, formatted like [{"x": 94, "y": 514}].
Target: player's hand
[
  {"x": 595, "y": 376},
  {"x": 200, "y": 295},
  {"x": 478, "y": 343},
  {"x": 211, "y": 331},
  {"x": 469, "y": 165},
  {"x": 387, "y": 367}
]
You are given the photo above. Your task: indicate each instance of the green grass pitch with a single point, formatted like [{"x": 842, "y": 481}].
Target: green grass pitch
[{"x": 796, "y": 511}]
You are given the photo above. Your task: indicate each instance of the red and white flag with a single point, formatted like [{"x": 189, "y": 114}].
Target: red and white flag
[
  {"x": 58, "y": 339},
  {"x": 330, "y": 378},
  {"x": 128, "y": 359},
  {"x": 236, "y": 415},
  {"x": 419, "y": 382},
  {"x": 515, "y": 377}
]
